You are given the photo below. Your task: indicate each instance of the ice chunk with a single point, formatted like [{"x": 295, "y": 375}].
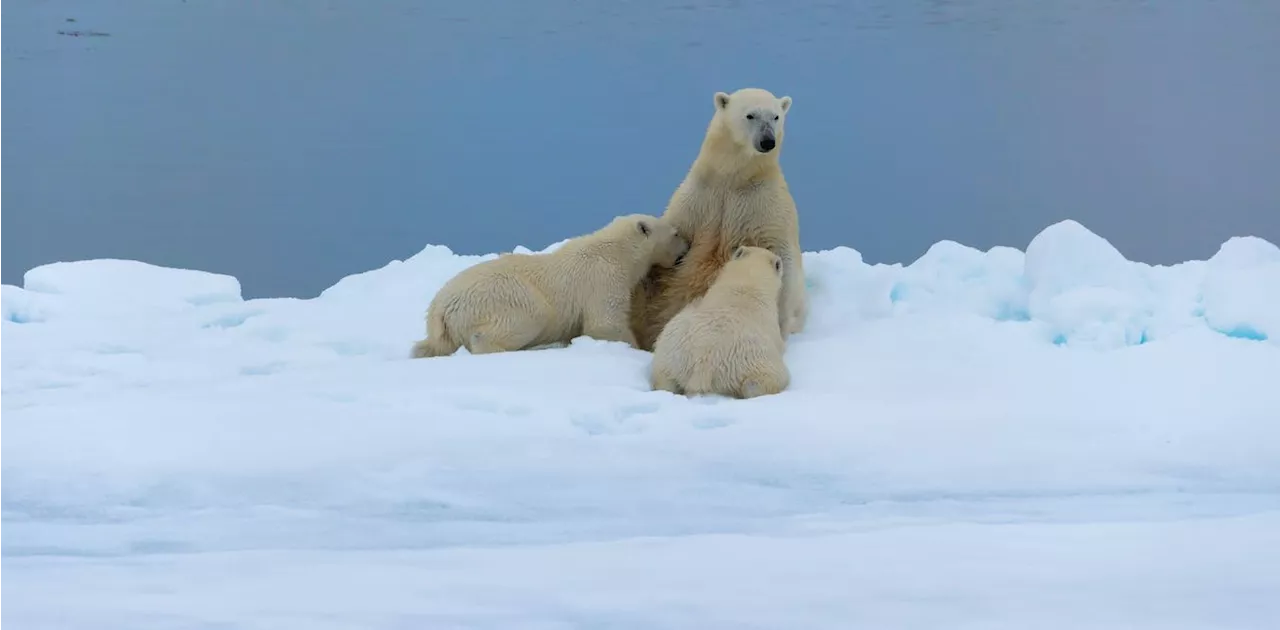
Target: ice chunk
[
  {"x": 954, "y": 277},
  {"x": 17, "y": 306},
  {"x": 851, "y": 290},
  {"x": 1241, "y": 290},
  {"x": 129, "y": 285},
  {"x": 1084, "y": 290}
]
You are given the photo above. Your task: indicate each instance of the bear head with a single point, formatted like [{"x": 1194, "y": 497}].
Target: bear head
[
  {"x": 760, "y": 256},
  {"x": 754, "y": 118},
  {"x": 657, "y": 237}
]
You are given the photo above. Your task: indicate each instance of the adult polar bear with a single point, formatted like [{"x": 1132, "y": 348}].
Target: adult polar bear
[{"x": 733, "y": 195}]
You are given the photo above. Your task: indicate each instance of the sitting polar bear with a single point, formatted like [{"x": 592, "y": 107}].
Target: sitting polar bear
[
  {"x": 734, "y": 194},
  {"x": 518, "y": 301},
  {"x": 728, "y": 341}
]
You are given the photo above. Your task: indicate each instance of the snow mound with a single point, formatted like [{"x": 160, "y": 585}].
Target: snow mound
[
  {"x": 1241, "y": 289},
  {"x": 113, "y": 290},
  {"x": 177, "y": 456},
  {"x": 1085, "y": 290},
  {"x": 1071, "y": 287},
  {"x": 129, "y": 284}
]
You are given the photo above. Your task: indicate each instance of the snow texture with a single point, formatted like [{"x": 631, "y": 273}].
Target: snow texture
[{"x": 1061, "y": 439}]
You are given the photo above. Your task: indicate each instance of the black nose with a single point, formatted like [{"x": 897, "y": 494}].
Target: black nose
[{"x": 767, "y": 145}]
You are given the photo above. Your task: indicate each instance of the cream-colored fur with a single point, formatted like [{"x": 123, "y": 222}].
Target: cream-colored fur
[
  {"x": 727, "y": 342},
  {"x": 519, "y": 301},
  {"x": 733, "y": 195}
]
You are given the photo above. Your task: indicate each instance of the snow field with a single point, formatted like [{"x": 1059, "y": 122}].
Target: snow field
[{"x": 1061, "y": 438}]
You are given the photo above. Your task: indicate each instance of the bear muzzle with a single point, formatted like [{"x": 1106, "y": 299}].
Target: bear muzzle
[{"x": 766, "y": 143}]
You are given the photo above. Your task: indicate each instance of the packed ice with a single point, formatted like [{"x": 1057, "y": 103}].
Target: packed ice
[{"x": 1060, "y": 438}]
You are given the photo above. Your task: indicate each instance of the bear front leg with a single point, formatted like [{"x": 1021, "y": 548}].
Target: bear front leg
[
  {"x": 610, "y": 331},
  {"x": 793, "y": 303},
  {"x": 611, "y": 322},
  {"x": 798, "y": 299}
]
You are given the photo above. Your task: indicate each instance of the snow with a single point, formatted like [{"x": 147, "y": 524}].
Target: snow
[
  {"x": 1232, "y": 305},
  {"x": 1061, "y": 439}
]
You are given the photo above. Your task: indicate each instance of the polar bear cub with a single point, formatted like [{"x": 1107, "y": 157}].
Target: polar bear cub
[
  {"x": 518, "y": 301},
  {"x": 728, "y": 341}
]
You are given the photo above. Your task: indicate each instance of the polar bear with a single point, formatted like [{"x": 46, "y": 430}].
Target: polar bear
[
  {"x": 518, "y": 301},
  {"x": 727, "y": 341},
  {"x": 733, "y": 195}
]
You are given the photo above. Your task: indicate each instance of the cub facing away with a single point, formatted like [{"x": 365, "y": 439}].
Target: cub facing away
[{"x": 727, "y": 342}]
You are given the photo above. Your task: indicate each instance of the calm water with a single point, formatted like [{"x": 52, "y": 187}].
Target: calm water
[{"x": 292, "y": 142}]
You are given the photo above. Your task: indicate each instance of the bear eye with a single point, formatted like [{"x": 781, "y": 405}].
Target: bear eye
[
  {"x": 777, "y": 265},
  {"x": 751, "y": 116},
  {"x": 775, "y": 116}
]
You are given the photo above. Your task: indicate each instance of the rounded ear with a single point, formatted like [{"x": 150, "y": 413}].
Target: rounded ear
[
  {"x": 785, "y": 103},
  {"x": 644, "y": 227},
  {"x": 740, "y": 252},
  {"x": 722, "y": 100}
]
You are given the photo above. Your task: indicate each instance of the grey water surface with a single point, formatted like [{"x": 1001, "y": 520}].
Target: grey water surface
[{"x": 292, "y": 142}]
